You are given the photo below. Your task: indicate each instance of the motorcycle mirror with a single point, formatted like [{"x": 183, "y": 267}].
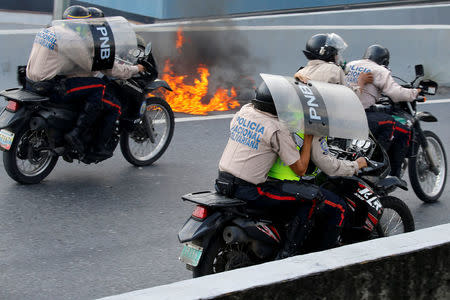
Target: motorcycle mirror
[
  {"x": 148, "y": 48},
  {"x": 419, "y": 70},
  {"x": 135, "y": 52}
]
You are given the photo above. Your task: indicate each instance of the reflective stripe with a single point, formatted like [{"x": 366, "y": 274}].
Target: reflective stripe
[
  {"x": 337, "y": 206},
  {"x": 113, "y": 105},
  {"x": 272, "y": 196},
  {"x": 401, "y": 129},
  {"x": 85, "y": 87}
]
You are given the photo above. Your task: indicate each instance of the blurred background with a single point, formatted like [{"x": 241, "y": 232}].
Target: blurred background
[{"x": 225, "y": 45}]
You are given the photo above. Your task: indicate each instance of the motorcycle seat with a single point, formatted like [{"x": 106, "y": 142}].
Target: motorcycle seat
[
  {"x": 212, "y": 199},
  {"x": 23, "y": 95}
]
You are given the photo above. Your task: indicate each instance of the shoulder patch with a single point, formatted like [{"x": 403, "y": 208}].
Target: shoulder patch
[{"x": 324, "y": 145}]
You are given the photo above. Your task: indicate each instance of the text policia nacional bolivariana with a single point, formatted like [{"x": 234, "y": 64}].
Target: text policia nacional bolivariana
[{"x": 247, "y": 132}]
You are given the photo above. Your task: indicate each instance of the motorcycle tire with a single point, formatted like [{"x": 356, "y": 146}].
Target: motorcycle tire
[
  {"x": 219, "y": 257},
  {"x": 396, "y": 214},
  {"x": 138, "y": 138},
  {"x": 41, "y": 166},
  {"x": 416, "y": 167}
]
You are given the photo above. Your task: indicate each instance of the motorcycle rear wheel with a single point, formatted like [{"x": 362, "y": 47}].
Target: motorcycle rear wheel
[
  {"x": 136, "y": 146},
  {"x": 220, "y": 257},
  {"x": 428, "y": 186},
  {"x": 25, "y": 165},
  {"x": 396, "y": 218}
]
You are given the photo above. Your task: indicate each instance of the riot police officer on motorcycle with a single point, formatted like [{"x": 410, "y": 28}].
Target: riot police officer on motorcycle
[
  {"x": 392, "y": 135},
  {"x": 256, "y": 139},
  {"x": 44, "y": 71},
  {"x": 324, "y": 52}
]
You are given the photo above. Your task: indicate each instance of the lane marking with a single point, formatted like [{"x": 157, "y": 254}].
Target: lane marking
[
  {"x": 436, "y": 101},
  {"x": 190, "y": 119},
  {"x": 159, "y": 28},
  {"x": 230, "y": 116}
]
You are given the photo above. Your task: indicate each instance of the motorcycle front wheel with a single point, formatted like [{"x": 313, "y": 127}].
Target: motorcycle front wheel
[
  {"x": 427, "y": 185},
  {"x": 396, "y": 218},
  {"x": 220, "y": 257},
  {"x": 137, "y": 146},
  {"x": 26, "y": 162}
]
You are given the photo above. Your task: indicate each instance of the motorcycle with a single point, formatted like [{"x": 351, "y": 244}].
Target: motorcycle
[
  {"x": 426, "y": 159},
  {"x": 32, "y": 128},
  {"x": 224, "y": 234}
]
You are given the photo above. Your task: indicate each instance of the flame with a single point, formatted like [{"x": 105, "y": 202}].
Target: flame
[
  {"x": 180, "y": 39},
  {"x": 192, "y": 98}
]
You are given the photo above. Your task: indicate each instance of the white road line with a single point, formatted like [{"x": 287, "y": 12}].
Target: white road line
[
  {"x": 436, "y": 101},
  {"x": 229, "y": 116},
  {"x": 190, "y": 119},
  {"x": 160, "y": 28}
]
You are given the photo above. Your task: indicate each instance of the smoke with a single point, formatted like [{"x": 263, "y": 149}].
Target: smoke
[{"x": 224, "y": 52}]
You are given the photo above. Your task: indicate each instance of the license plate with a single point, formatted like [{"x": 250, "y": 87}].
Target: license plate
[
  {"x": 191, "y": 254},
  {"x": 6, "y": 139}
]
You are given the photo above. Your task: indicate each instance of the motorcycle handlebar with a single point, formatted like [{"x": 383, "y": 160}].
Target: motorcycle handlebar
[
  {"x": 371, "y": 166},
  {"x": 421, "y": 99}
]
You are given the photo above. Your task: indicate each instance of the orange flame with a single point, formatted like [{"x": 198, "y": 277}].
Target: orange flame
[
  {"x": 187, "y": 98},
  {"x": 192, "y": 98},
  {"x": 180, "y": 39}
]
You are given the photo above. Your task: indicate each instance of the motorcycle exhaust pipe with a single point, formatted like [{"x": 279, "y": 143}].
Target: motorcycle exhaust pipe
[
  {"x": 38, "y": 123},
  {"x": 233, "y": 234}
]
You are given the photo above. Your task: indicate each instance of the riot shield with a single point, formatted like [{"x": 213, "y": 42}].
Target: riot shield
[
  {"x": 318, "y": 108},
  {"x": 87, "y": 45}
]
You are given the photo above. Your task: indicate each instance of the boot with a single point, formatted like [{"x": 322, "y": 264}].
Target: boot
[
  {"x": 101, "y": 148},
  {"x": 73, "y": 140},
  {"x": 330, "y": 238},
  {"x": 296, "y": 236},
  {"x": 85, "y": 120}
]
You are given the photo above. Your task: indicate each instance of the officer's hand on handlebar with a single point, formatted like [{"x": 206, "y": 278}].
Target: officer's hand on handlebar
[
  {"x": 362, "y": 162},
  {"x": 141, "y": 68}
]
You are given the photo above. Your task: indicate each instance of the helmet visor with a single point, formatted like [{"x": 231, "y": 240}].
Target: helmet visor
[{"x": 335, "y": 41}]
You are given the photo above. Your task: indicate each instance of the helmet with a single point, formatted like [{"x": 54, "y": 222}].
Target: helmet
[
  {"x": 378, "y": 54},
  {"x": 264, "y": 100},
  {"x": 95, "y": 12},
  {"x": 76, "y": 12},
  {"x": 324, "y": 47}
]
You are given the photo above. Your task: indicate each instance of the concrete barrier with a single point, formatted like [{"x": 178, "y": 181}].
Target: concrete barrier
[{"x": 414, "y": 265}]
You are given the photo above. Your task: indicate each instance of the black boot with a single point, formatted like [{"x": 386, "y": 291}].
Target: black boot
[
  {"x": 296, "y": 236},
  {"x": 330, "y": 238},
  {"x": 85, "y": 120},
  {"x": 102, "y": 148},
  {"x": 73, "y": 140}
]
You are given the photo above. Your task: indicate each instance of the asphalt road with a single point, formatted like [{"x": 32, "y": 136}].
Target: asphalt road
[{"x": 90, "y": 231}]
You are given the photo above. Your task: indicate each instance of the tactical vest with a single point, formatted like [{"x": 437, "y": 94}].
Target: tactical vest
[{"x": 283, "y": 172}]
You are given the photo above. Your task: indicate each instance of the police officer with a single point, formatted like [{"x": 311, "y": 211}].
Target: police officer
[
  {"x": 256, "y": 139},
  {"x": 324, "y": 52},
  {"x": 391, "y": 135},
  {"x": 45, "y": 66}
]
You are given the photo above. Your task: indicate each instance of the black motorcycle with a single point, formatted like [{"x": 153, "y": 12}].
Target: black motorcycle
[
  {"x": 32, "y": 128},
  {"x": 224, "y": 234},
  {"x": 426, "y": 160}
]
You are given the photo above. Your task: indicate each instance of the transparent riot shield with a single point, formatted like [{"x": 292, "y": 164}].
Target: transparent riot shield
[
  {"x": 318, "y": 108},
  {"x": 87, "y": 45}
]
